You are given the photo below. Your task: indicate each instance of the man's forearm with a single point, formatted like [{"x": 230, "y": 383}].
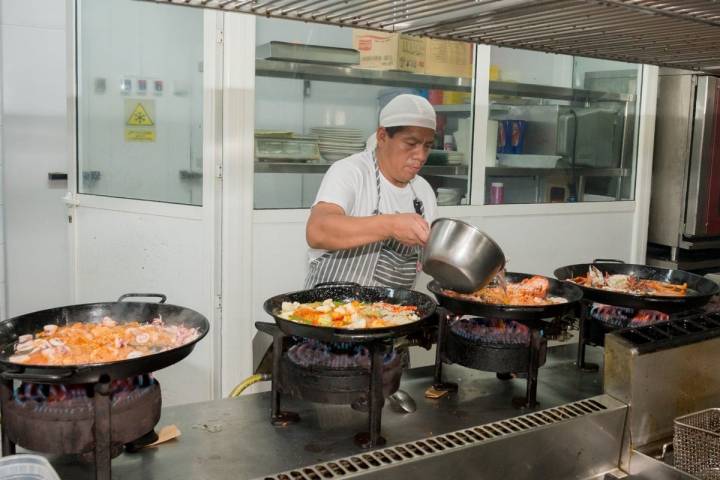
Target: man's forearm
[{"x": 340, "y": 232}]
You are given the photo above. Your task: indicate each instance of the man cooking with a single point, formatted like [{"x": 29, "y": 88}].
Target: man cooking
[{"x": 372, "y": 213}]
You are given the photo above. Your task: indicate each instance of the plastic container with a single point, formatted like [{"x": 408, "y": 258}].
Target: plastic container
[
  {"x": 497, "y": 193},
  {"x": 26, "y": 467}
]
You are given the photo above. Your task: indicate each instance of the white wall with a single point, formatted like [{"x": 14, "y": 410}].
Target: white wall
[{"x": 34, "y": 143}]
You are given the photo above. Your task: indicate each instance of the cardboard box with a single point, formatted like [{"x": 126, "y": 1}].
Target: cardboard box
[
  {"x": 448, "y": 58},
  {"x": 389, "y": 51}
]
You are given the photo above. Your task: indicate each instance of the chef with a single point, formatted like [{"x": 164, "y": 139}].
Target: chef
[{"x": 372, "y": 213}]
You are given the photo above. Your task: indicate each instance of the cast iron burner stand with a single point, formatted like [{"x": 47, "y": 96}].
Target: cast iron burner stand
[
  {"x": 102, "y": 403},
  {"x": 376, "y": 400},
  {"x": 530, "y": 398},
  {"x": 584, "y": 337}
]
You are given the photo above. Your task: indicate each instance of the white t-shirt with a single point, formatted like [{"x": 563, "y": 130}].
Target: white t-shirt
[{"x": 350, "y": 183}]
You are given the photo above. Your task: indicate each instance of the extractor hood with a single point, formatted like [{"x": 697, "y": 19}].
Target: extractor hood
[{"x": 673, "y": 33}]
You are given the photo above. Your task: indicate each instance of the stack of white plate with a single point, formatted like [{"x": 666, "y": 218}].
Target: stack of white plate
[
  {"x": 339, "y": 142},
  {"x": 455, "y": 158}
]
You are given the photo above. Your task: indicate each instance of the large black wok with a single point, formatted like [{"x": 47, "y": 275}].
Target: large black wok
[
  {"x": 346, "y": 292},
  {"x": 121, "y": 312},
  {"x": 463, "y": 306},
  {"x": 700, "y": 289}
]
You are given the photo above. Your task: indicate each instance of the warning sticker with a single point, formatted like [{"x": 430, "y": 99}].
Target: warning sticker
[{"x": 139, "y": 120}]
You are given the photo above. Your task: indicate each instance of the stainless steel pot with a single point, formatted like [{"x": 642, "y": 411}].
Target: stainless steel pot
[{"x": 461, "y": 257}]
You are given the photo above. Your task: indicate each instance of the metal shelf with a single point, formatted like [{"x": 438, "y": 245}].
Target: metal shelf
[
  {"x": 355, "y": 75},
  {"x": 544, "y": 172},
  {"x": 316, "y": 167},
  {"x": 340, "y": 74}
]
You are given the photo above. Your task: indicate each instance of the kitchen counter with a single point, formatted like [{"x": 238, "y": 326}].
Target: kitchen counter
[{"x": 233, "y": 438}]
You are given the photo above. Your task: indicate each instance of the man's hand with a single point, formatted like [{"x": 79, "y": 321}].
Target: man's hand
[{"x": 409, "y": 228}]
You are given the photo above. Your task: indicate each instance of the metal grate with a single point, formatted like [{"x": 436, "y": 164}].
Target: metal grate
[
  {"x": 675, "y": 33},
  {"x": 697, "y": 444},
  {"x": 438, "y": 444}
]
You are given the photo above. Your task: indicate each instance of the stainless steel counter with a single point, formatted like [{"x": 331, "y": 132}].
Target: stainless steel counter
[{"x": 233, "y": 438}]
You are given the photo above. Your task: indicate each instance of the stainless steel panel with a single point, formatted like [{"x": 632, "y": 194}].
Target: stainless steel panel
[
  {"x": 672, "y": 151},
  {"x": 660, "y": 386},
  {"x": 559, "y": 447},
  {"x": 645, "y": 467},
  {"x": 701, "y": 157}
]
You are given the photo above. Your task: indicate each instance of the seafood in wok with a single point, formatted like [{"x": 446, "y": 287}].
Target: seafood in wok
[
  {"x": 533, "y": 291},
  {"x": 349, "y": 314},
  {"x": 104, "y": 341},
  {"x": 629, "y": 284}
]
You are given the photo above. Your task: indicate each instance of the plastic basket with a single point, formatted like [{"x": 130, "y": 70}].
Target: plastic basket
[
  {"x": 26, "y": 467},
  {"x": 697, "y": 443}
]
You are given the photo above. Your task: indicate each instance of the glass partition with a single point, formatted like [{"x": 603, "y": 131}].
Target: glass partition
[
  {"x": 319, "y": 90},
  {"x": 140, "y": 106},
  {"x": 560, "y": 128}
]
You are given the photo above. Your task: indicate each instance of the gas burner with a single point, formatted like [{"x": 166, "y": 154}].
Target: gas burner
[
  {"x": 311, "y": 353},
  {"x": 338, "y": 373},
  {"x": 621, "y": 317},
  {"x": 491, "y": 331},
  {"x": 492, "y": 345},
  {"x": 61, "y": 419}
]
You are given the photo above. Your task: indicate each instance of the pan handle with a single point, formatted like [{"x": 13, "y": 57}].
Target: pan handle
[
  {"x": 337, "y": 284},
  {"x": 607, "y": 260},
  {"x": 163, "y": 297},
  {"x": 35, "y": 377},
  {"x": 269, "y": 328}
]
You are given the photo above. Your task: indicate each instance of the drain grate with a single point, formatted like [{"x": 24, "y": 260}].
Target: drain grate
[{"x": 376, "y": 459}]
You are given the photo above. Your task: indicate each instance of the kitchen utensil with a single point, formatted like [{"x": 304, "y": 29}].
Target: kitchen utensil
[
  {"x": 346, "y": 292},
  {"x": 121, "y": 312},
  {"x": 569, "y": 292},
  {"x": 700, "y": 289},
  {"x": 460, "y": 256}
]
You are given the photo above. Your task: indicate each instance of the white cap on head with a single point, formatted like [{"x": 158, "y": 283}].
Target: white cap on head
[
  {"x": 408, "y": 110},
  {"x": 405, "y": 110}
]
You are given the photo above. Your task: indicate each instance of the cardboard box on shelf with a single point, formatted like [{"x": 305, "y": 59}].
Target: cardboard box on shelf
[
  {"x": 389, "y": 51},
  {"x": 447, "y": 58}
]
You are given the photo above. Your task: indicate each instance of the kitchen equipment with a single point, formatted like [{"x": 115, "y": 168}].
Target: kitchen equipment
[
  {"x": 697, "y": 443},
  {"x": 700, "y": 289},
  {"x": 662, "y": 372},
  {"x": 298, "y": 52},
  {"x": 685, "y": 198},
  {"x": 295, "y": 149},
  {"x": 592, "y": 136},
  {"x": 460, "y": 256},
  {"x": 97, "y": 377},
  {"x": 351, "y": 291},
  {"x": 569, "y": 292},
  {"x": 121, "y": 312}
]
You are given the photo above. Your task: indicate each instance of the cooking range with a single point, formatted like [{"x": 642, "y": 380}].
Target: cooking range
[
  {"x": 91, "y": 410},
  {"x": 506, "y": 339},
  {"x": 360, "y": 367},
  {"x": 595, "y": 323}
]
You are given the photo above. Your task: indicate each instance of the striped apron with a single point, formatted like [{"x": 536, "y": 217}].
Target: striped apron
[{"x": 388, "y": 263}]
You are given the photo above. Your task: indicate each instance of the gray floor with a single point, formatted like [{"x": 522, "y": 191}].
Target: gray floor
[{"x": 233, "y": 439}]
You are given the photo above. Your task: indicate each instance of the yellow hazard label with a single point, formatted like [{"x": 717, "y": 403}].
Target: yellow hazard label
[
  {"x": 140, "y": 117},
  {"x": 139, "y": 135}
]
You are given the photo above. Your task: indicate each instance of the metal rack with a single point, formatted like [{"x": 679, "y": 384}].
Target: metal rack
[
  {"x": 673, "y": 33},
  {"x": 342, "y": 74}
]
